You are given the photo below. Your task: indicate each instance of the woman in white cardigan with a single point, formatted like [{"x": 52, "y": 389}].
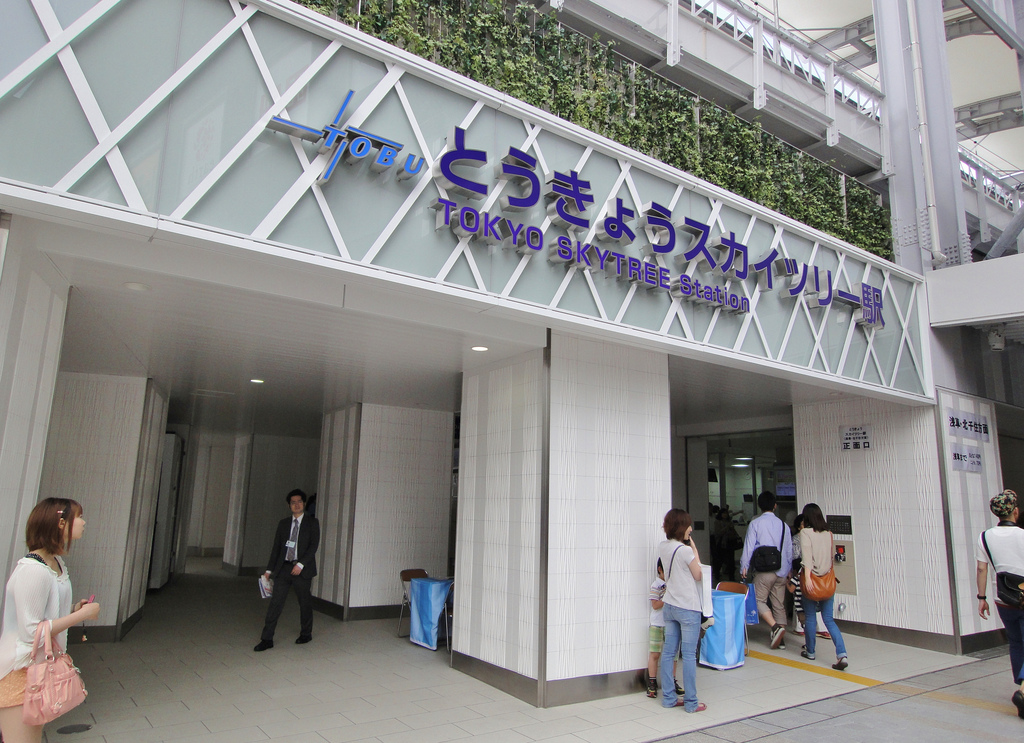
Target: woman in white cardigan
[{"x": 39, "y": 589}]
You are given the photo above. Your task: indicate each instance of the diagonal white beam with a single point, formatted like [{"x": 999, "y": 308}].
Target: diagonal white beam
[
  {"x": 425, "y": 180},
  {"x": 553, "y": 304},
  {"x": 464, "y": 246},
  {"x": 309, "y": 176},
  {"x": 531, "y": 137},
  {"x": 719, "y": 311},
  {"x": 155, "y": 99},
  {"x": 90, "y": 106},
  {"x": 752, "y": 317},
  {"x": 848, "y": 342},
  {"x": 277, "y": 107},
  {"x": 275, "y": 94},
  {"x": 17, "y": 77}
]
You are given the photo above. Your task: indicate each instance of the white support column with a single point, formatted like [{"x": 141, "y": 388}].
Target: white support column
[
  {"x": 985, "y": 230},
  {"x": 33, "y": 300},
  {"x": 672, "y": 51},
  {"x": 832, "y": 132},
  {"x": 760, "y": 94},
  {"x": 610, "y": 486},
  {"x": 911, "y": 194},
  {"x": 498, "y": 552}
]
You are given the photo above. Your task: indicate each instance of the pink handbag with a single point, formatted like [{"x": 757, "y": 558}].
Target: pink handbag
[{"x": 54, "y": 685}]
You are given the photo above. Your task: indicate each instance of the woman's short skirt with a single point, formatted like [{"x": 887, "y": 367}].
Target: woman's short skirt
[{"x": 12, "y": 688}]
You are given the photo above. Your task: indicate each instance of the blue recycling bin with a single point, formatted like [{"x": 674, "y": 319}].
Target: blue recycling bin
[
  {"x": 723, "y": 643},
  {"x": 426, "y": 602}
]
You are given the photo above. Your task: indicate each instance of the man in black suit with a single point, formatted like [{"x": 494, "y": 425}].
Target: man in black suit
[{"x": 292, "y": 565}]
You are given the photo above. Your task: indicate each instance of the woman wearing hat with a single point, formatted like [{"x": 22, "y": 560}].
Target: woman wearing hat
[{"x": 1002, "y": 546}]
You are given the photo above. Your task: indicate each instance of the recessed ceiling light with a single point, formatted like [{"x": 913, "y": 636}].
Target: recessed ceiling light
[
  {"x": 744, "y": 458},
  {"x": 479, "y": 348},
  {"x": 256, "y": 381},
  {"x": 136, "y": 286}
]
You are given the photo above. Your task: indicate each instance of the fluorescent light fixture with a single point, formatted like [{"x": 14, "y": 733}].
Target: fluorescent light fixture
[
  {"x": 479, "y": 348},
  {"x": 744, "y": 458},
  {"x": 256, "y": 381},
  {"x": 739, "y": 465},
  {"x": 136, "y": 286}
]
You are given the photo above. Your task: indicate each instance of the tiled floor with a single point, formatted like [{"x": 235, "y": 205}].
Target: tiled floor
[
  {"x": 187, "y": 673},
  {"x": 969, "y": 702}
]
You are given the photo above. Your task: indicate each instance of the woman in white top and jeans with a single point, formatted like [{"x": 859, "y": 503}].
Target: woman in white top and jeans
[
  {"x": 816, "y": 551},
  {"x": 682, "y": 611},
  {"x": 1005, "y": 542},
  {"x": 39, "y": 589}
]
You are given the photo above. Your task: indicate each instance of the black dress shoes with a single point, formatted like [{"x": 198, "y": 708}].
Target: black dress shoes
[
  {"x": 1018, "y": 702},
  {"x": 264, "y": 645},
  {"x": 303, "y": 639}
]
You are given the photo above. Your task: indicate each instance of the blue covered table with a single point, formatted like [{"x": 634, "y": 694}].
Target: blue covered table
[
  {"x": 426, "y": 602},
  {"x": 722, "y": 646}
]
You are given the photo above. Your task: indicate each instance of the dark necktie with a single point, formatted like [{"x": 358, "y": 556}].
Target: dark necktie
[{"x": 290, "y": 556}]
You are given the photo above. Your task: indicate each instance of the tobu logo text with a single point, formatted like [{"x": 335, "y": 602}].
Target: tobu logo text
[{"x": 350, "y": 144}]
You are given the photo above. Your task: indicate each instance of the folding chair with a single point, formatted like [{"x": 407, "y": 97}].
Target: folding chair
[
  {"x": 405, "y": 576},
  {"x": 736, "y": 587},
  {"x": 449, "y": 619}
]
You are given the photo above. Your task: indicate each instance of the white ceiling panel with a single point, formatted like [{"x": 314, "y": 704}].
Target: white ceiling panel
[{"x": 203, "y": 343}]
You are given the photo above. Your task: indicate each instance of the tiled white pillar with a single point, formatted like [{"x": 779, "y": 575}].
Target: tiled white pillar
[
  {"x": 384, "y": 502},
  {"x": 968, "y": 493},
  {"x": 610, "y": 486},
  {"x": 497, "y": 558},
  {"x": 403, "y": 500},
  {"x": 277, "y": 465},
  {"x": 92, "y": 456},
  {"x": 33, "y": 300},
  {"x": 892, "y": 492},
  {"x": 564, "y": 606},
  {"x": 339, "y": 447}
]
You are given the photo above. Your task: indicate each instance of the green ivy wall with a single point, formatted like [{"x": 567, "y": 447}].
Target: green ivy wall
[{"x": 511, "y": 47}]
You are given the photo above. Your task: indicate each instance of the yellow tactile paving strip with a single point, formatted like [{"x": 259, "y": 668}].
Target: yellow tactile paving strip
[
  {"x": 938, "y": 696},
  {"x": 822, "y": 670}
]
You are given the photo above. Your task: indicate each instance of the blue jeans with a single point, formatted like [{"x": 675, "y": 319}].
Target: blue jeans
[
  {"x": 1013, "y": 620},
  {"x": 682, "y": 627},
  {"x": 811, "y": 609}
]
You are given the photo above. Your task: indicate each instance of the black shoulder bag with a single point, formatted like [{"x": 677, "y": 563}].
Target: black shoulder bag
[
  {"x": 768, "y": 558},
  {"x": 1008, "y": 585}
]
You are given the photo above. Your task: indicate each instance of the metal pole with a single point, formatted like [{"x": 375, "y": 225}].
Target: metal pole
[{"x": 938, "y": 257}]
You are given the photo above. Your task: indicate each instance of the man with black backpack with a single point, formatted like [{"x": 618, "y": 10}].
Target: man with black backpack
[{"x": 768, "y": 553}]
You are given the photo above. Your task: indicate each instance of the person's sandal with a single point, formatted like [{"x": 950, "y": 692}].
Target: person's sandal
[
  {"x": 840, "y": 665},
  {"x": 701, "y": 707},
  {"x": 652, "y": 689},
  {"x": 679, "y": 690}
]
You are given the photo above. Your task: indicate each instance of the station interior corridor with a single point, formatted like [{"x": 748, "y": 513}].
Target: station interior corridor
[{"x": 187, "y": 673}]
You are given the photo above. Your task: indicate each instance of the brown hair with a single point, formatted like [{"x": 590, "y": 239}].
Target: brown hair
[
  {"x": 814, "y": 518},
  {"x": 43, "y": 531},
  {"x": 677, "y": 521}
]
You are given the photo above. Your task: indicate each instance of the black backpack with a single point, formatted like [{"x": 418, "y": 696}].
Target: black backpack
[{"x": 768, "y": 558}]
